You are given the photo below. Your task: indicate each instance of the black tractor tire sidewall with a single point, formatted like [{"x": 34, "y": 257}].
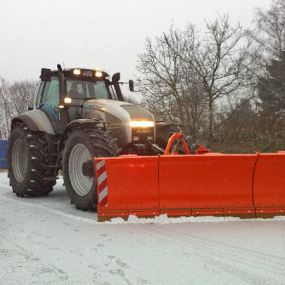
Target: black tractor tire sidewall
[{"x": 19, "y": 187}]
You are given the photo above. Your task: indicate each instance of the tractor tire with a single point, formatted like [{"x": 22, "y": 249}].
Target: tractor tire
[
  {"x": 31, "y": 162},
  {"x": 80, "y": 148}
]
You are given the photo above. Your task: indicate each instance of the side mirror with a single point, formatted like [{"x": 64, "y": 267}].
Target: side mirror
[
  {"x": 45, "y": 74},
  {"x": 116, "y": 77},
  {"x": 131, "y": 85}
]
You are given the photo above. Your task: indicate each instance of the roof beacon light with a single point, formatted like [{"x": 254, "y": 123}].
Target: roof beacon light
[
  {"x": 76, "y": 71},
  {"x": 98, "y": 73}
]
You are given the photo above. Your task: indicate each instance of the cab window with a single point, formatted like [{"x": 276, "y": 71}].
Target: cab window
[
  {"x": 78, "y": 89},
  {"x": 101, "y": 92},
  {"x": 39, "y": 95},
  {"x": 51, "y": 93}
]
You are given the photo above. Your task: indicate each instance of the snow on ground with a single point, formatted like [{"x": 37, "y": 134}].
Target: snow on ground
[{"x": 47, "y": 241}]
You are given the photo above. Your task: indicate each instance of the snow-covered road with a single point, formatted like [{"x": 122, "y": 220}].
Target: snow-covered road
[{"x": 47, "y": 241}]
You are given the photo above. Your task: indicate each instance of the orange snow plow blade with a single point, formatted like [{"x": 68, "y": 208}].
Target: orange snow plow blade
[
  {"x": 246, "y": 185},
  {"x": 127, "y": 186},
  {"x": 269, "y": 184}
]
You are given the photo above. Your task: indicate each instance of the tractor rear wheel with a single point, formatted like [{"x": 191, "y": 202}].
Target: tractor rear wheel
[
  {"x": 31, "y": 162},
  {"x": 80, "y": 148}
]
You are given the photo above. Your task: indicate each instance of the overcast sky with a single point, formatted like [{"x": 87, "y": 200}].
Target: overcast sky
[{"x": 97, "y": 33}]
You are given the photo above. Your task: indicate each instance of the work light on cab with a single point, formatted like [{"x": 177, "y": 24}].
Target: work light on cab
[
  {"x": 98, "y": 73},
  {"x": 76, "y": 71}
]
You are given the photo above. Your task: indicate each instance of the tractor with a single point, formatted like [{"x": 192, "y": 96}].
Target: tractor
[{"x": 78, "y": 114}]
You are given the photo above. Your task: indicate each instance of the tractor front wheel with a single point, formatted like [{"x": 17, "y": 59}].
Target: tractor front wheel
[{"x": 80, "y": 148}]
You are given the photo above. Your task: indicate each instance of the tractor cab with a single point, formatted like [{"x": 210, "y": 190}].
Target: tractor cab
[{"x": 62, "y": 93}]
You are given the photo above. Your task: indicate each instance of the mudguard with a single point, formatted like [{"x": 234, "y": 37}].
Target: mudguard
[{"x": 36, "y": 120}]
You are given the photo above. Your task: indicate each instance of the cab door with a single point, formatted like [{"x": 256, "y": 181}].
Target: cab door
[
  {"x": 49, "y": 103},
  {"x": 50, "y": 99}
]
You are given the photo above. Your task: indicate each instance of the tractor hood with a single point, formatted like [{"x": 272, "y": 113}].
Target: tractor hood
[
  {"x": 118, "y": 115},
  {"x": 114, "y": 111}
]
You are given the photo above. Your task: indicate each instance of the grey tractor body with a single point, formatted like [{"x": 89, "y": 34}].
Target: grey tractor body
[{"x": 116, "y": 114}]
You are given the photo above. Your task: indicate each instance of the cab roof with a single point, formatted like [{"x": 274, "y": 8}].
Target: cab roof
[{"x": 83, "y": 73}]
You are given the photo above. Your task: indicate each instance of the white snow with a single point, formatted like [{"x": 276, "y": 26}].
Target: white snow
[{"x": 47, "y": 241}]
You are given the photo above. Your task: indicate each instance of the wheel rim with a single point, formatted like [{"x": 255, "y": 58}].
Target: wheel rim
[
  {"x": 19, "y": 160},
  {"x": 80, "y": 183}
]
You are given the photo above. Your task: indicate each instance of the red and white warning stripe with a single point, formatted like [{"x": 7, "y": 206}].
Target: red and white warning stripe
[{"x": 102, "y": 183}]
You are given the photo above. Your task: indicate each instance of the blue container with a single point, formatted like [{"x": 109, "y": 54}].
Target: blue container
[{"x": 3, "y": 153}]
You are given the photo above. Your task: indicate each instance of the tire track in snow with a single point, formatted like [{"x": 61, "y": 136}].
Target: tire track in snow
[
  {"x": 18, "y": 259},
  {"x": 218, "y": 251},
  {"x": 235, "y": 257},
  {"x": 42, "y": 206}
]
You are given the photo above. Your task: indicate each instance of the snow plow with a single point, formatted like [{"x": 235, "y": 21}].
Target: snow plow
[{"x": 205, "y": 183}]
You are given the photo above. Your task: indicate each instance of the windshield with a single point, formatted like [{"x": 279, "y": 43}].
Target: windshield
[{"x": 87, "y": 89}]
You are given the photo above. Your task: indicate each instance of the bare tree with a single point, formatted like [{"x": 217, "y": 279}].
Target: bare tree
[
  {"x": 270, "y": 29},
  {"x": 5, "y": 110},
  {"x": 22, "y": 94},
  {"x": 171, "y": 89},
  {"x": 219, "y": 58},
  {"x": 15, "y": 98}
]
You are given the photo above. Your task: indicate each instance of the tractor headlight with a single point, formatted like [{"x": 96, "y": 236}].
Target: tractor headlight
[
  {"x": 142, "y": 131},
  {"x": 142, "y": 124}
]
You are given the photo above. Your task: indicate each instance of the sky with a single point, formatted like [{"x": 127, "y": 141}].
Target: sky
[{"x": 91, "y": 33}]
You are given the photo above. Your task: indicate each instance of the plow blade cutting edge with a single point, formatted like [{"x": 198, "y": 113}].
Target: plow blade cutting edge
[{"x": 245, "y": 185}]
